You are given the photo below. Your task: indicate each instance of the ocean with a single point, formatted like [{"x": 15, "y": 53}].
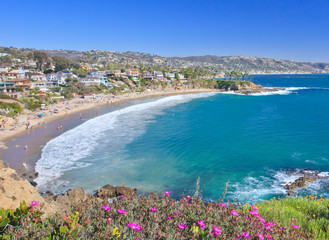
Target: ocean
[{"x": 257, "y": 143}]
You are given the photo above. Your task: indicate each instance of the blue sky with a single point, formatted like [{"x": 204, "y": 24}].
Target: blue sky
[{"x": 284, "y": 29}]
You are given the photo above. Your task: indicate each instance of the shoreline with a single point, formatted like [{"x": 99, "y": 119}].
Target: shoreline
[{"x": 45, "y": 129}]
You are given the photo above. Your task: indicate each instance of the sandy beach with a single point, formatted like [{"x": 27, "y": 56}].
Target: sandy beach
[{"x": 21, "y": 146}]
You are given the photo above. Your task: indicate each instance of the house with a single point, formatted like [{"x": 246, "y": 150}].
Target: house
[
  {"x": 181, "y": 76},
  {"x": 148, "y": 76},
  {"x": 60, "y": 77},
  {"x": 7, "y": 87},
  {"x": 170, "y": 75},
  {"x": 158, "y": 75},
  {"x": 86, "y": 67},
  {"x": 93, "y": 81},
  {"x": 35, "y": 76},
  {"x": 4, "y": 76},
  {"x": 132, "y": 73},
  {"x": 23, "y": 83},
  {"x": 42, "y": 85}
]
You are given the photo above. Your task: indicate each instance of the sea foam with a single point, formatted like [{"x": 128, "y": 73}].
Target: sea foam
[{"x": 69, "y": 150}]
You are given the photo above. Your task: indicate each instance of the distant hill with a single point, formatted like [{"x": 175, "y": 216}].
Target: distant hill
[{"x": 252, "y": 65}]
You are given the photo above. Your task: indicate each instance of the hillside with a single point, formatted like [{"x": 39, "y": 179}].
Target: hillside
[{"x": 252, "y": 65}]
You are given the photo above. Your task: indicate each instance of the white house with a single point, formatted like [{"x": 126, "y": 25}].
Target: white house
[
  {"x": 42, "y": 85},
  {"x": 93, "y": 81}
]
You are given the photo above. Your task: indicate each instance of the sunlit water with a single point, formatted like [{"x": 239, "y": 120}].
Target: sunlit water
[{"x": 251, "y": 141}]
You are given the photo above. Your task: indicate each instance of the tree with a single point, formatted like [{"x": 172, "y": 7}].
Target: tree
[
  {"x": 42, "y": 59},
  {"x": 61, "y": 63},
  {"x": 177, "y": 76}
]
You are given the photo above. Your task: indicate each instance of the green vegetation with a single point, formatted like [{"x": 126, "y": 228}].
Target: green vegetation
[
  {"x": 310, "y": 213},
  {"x": 152, "y": 217},
  {"x": 80, "y": 72},
  {"x": 12, "y": 109}
]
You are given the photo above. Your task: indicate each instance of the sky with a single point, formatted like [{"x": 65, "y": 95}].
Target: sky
[{"x": 283, "y": 29}]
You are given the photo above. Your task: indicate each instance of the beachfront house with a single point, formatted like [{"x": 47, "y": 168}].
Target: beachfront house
[
  {"x": 44, "y": 86},
  {"x": 147, "y": 76},
  {"x": 7, "y": 87},
  {"x": 158, "y": 75},
  {"x": 133, "y": 73},
  {"x": 93, "y": 81},
  {"x": 25, "y": 84},
  {"x": 59, "y": 78},
  {"x": 170, "y": 75}
]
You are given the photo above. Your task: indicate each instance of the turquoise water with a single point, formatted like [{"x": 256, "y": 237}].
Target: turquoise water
[{"x": 257, "y": 143}]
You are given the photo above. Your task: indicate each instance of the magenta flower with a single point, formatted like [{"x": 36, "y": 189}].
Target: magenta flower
[
  {"x": 122, "y": 211},
  {"x": 34, "y": 204},
  {"x": 260, "y": 236},
  {"x": 169, "y": 218},
  {"x": 222, "y": 204},
  {"x": 294, "y": 226},
  {"x": 254, "y": 207},
  {"x": 134, "y": 226},
  {"x": 153, "y": 209},
  {"x": 216, "y": 230},
  {"x": 188, "y": 197},
  {"x": 106, "y": 208},
  {"x": 261, "y": 219},
  {"x": 109, "y": 220},
  {"x": 181, "y": 226},
  {"x": 239, "y": 236},
  {"x": 202, "y": 224},
  {"x": 167, "y": 193},
  {"x": 234, "y": 213},
  {"x": 246, "y": 235},
  {"x": 292, "y": 220},
  {"x": 281, "y": 228},
  {"x": 123, "y": 196},
  {"x": 175, "y": 213},
  {"x": 254, "y": 213}
]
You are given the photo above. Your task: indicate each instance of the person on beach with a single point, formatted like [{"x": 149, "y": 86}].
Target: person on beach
[{"x": 25, "y": 147}]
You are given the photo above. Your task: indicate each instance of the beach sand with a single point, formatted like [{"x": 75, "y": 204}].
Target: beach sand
[{"x": 71, "y": 114}]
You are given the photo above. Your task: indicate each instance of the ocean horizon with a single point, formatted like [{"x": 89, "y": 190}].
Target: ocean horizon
[{"x": 258, "y": 143}]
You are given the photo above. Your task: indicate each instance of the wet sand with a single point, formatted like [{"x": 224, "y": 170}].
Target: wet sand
[{"x": 24, "y": 160}]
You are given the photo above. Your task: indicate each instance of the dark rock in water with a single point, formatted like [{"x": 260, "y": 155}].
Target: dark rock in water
[
  {"x": 36, "y": 174},
  {"x": 34, "y": 184},
  {"x": 309, "y": 176},
  {"x": 109, "y": 191}
]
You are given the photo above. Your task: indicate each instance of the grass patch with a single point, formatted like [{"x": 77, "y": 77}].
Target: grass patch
[{"x": 309, "y": 212}]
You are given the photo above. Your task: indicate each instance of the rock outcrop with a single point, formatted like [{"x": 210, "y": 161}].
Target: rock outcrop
[
  {"x": 14, "y": 190},
  {"x": 302, "y": 181}
]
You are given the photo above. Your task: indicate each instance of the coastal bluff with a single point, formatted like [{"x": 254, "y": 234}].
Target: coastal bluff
[{"x": 14, "y": 190}]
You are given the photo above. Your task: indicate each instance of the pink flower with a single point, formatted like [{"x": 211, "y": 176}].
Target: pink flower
[
  {"x": 292, "y": 220},
  {"x": 134, "y": 226},
  {"x": 239, "y": 236},
  {"x": 181, "y": 226},
  {"x": 175, "y": 213},
  {"x": 260, "y": 236},
  {"x": 34, "y": 204},
  {"x": 234, "y": 213},
  {"x": 215, "y": 230},
  {"x": 254, "y": 207},
  {"x": 153, "y": 209},
  {"x": 109, "y": 220},
  {"x": 245, "y": 235},
  {"x": 222, "y": 204},
  {"x": 123, "y": 196},
  {"x": 294, "y": 226},
  {"x": 246, "y": 217},
  {"x": 169, "y": 218},
  {"x": 254, "y": 213},
  {"x": 122, "y": 211},
  {"x": 188, "y": 197},
  {"x": 261, "y": 219},
  {"x": 202, "y": 224},
  {"x": 167, "y": 193},
  {"x": 106, "y": 208},
  {"x": 281, "y": 228}
]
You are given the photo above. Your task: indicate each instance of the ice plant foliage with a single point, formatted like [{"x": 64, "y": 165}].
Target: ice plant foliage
[{"x": 158, "y": 217}]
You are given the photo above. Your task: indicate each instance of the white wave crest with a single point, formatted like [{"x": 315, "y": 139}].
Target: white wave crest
[{"x": 69, "y": 150}]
